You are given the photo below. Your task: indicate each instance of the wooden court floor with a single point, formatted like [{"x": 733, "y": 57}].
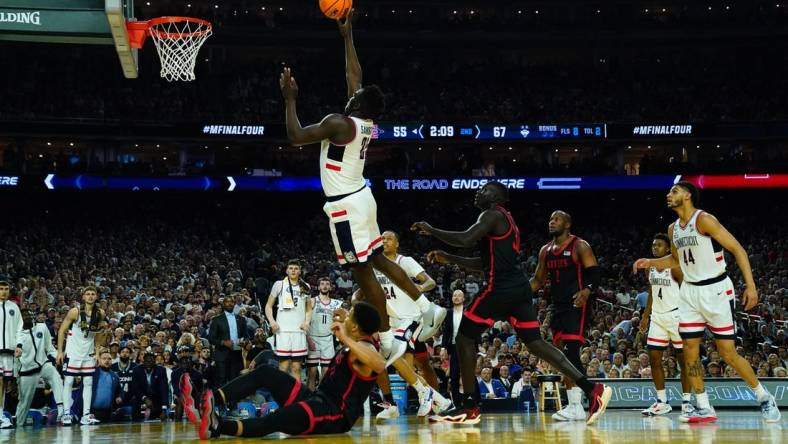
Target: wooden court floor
[{"x": 617, "y": 426}]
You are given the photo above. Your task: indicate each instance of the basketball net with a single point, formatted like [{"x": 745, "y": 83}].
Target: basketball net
[{"x": 178, "y": 42}]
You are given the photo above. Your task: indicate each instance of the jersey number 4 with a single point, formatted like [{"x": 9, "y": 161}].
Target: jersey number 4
[
  {"x": 688, "y": 257},
  {"x": 660, "y": 294}
]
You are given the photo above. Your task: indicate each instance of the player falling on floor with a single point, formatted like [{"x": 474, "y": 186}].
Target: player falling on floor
[
  {"x": 707, "y": 296},
  {"x": 574, "y": 273},
  {"x": 293, "y": 317},
  {"x": 661, "y": 320},
  {"x": 10, "y": 326},
  {"x": 80, "y": 326},
  {"x": 405, "y": 319},
  {"x": 507, "y": 297},
  {"x": 350, "y": 206},
  {"x": 333, "y": 408},
  {"x": 319, "y": 338}
]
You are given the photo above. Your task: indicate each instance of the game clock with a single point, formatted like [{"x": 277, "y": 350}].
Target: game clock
[{"x": 489, "y": 132}]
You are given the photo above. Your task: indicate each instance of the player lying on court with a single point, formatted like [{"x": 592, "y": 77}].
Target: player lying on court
[
  {"x": 508, "y": 297},
  {"x": 333, "y": 408},
  {"x": 350, "y": 205}
]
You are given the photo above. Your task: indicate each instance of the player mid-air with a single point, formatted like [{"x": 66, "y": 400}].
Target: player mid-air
[
  {"x": 508, "y": 297},
  {"x": 707, "y": 296},
  {"x": 350, "y": 206}
]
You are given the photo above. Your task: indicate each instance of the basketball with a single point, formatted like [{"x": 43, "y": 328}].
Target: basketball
[{"x": 335, "y": 9}]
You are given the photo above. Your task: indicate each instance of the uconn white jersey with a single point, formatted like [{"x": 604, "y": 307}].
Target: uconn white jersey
[
  {"x": 291, "y": 310},
  {"x": 10, "y": 325},
  {"x": 80, "y": 343},
  {"x": 697, "y": 256},
  {"x": 342, "y": 166},
  {"x": 323, "y": 317},
  {"x": 664, "y": 291},
  {"x": 398, "y": 303}
]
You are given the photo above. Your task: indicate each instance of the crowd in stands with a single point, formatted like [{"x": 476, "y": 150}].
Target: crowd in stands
[
  {"x": 164, "y": 266},
  {"x": 440, "y": 84}
]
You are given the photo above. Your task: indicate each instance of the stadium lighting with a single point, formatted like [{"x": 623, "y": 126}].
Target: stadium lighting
[
  {"x": 71, "y": 144},
  {"x": 49, "y": 143}
]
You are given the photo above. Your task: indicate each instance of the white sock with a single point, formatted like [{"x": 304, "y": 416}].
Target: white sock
[
  {"x": 421, "y": 388},
  {"x": 437, "y": 396},
  {"x": 68, "y": 384},
  {"x": 424, "y": 304},
  {"x": 686, "y": 397},
  {"x": 703, "y": 400},
  {"x": 60, "y": 410},
  {"x": 662, "y": 396},
  {"x": 87, "y": 394},
  {"x": 761, "y": 392},
  {"x": 575, "y": 396}
]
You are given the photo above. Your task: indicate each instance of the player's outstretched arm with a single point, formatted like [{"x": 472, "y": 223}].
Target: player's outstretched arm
[
  {"x": 669, "y": 261},
  {"x": 442, "y": 257},
  {"x": 464, "y": 239},
  {"x": 709, "y": 225},
  {"x": 332, "y": 127},
  {"x": 352, "y": 65},
  {"x": 540, "y": 275}
]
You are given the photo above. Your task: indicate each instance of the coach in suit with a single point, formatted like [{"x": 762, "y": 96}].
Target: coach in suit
[
  {"x": 450, "y": 327},
  {"x": 149, "y": 387},
  {"x": 226, "y": 333}
]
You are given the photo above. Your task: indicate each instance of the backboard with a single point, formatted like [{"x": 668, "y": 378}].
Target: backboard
[{"x": 98, "y": 22}]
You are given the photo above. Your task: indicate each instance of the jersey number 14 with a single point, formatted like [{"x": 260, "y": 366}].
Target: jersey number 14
[{"x": 688, "y": 257}]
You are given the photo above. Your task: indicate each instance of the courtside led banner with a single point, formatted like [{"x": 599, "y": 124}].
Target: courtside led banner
[
  {"x": 312, "y": 183},
  {"x": 723, "y": 392}
]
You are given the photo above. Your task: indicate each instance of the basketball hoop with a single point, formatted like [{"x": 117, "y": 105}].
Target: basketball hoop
[{"x": 177, "y": 40}]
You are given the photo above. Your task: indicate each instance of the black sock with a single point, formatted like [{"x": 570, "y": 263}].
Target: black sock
[
  {"x": 388, "y": 397},
  {"x": 228, "y": 427},
  {"x": 218, "y": 398},
  {"x": 469, "y": 402},
  {"x": 585, "y": 385}
]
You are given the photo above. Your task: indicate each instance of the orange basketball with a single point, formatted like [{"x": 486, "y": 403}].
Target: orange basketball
[{"x": 335, "y": 9}]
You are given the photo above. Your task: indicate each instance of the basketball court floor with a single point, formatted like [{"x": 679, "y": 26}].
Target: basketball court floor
[{"x": 617, "y": 426}]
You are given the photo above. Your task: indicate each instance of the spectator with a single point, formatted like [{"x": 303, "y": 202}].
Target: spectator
[
  {"x": 524, "y": 383},
  {"x": 106, "y": 389},
  {"x": 504, "y": 378},
  {"x": 490, "y": 388},
  {"x": 149, "y": 389},
  {"x": 344, "y": 284},
  {"x": 227, "y": 335},
  {"x": 450, "y": 327}
]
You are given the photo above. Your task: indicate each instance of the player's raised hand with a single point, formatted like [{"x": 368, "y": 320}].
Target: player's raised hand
[
  {"x": 749, "y": 298},
  {"x": 346, "y": 26},
  {"x": 340, "y": 314},
  {"x": 437, "y": 257},
  {"x": 288, "y": 85},
  {"x": 640, "y": 264},
  {"x": 422, "y": 227},
  {"x": 338, "y": 328}
]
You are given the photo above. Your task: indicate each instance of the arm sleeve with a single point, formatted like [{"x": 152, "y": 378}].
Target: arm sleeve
[{"x": 592, "y": 276}]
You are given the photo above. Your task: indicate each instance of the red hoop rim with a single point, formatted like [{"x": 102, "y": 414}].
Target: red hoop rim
[{"x": 139, "y": 30}]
